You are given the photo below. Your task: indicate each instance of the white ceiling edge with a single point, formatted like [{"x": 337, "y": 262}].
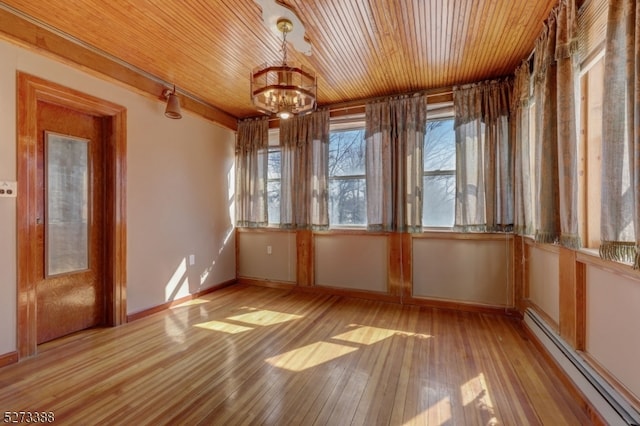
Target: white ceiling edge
[{"x": 272, "y": 11}]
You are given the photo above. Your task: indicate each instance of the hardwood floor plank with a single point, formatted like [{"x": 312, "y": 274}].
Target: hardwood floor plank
[{"x": 256, "y": 355}]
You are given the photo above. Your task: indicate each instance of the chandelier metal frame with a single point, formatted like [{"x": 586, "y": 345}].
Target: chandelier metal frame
[{"x": 284, "y": 89}]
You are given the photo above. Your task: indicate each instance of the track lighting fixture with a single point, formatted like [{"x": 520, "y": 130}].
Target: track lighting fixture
[{"x": 173, "y": 103}]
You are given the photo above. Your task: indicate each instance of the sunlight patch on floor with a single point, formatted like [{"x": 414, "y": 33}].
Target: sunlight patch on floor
[
  {"x": 264, "y": 317},
  {"x": 475, "y": 391},
  {"x": 310, "y": 356},
  {"x": 224, "y": 327},
  {"x": 365, "y": 335},
  {"x": 438, "y": 414},
  {"x": 191, "y": 302}
]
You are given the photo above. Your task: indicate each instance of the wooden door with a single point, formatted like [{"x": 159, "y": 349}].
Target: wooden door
[{"x": 69, "y": 268}]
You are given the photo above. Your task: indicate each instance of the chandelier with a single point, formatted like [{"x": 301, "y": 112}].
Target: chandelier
[{"x": 283, "y": 89}]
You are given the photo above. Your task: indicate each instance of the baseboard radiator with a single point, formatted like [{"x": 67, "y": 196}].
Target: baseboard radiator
[{"x": 612, "y": 406}]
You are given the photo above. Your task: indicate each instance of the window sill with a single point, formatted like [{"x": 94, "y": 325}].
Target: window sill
[
  {"x": 591, "y": 257},
  {"x": 449, "y": 234}
]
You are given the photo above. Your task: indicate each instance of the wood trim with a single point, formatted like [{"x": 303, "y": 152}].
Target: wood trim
[
  {"x": 31, "y": 90},
  {"x": 347, "y": 231},
  {"x": 463, "y": 306},
  {"x": 28, "y": 34},
  {"x": 357, "y": 294},
  {"x": 266, "y": 230},
  {"x": 463, "y": 236},
  {"x": 407, "y": 265},
  {"x": 568, "y": 303},
  {"x": 395, "y": 277},
  {"x": 526, "y": 291},
  {"x": 426, "y": 234},
  {"x": 8, "y": 359},
  {"x": 576, "y": 393},
  {"x": 581, "y": 306},
  {"x": 117, "y": 219},
  {"x": 608, "y": 265},
  {"x": 159, "y": 308},
  {"x": 400, "y": 252},
  {"x": 237, "y": 251},
  {"x": 26, "y": 211},
  {"x": 519, "y": 273},
  {"x": 305, "y": 258},
  {"x": 551, "y": 248},
  {"x": 282, "y": 285}
]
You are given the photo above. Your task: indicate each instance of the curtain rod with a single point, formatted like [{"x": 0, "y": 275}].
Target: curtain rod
[
  {"x": 362, "y": 102},
  {"x": 359, "y": 104}
]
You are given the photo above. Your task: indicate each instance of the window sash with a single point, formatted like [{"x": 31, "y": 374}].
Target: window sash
[{"x": 428, "y": 209}]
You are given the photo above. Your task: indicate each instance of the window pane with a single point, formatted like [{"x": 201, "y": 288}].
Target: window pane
[
  {"x": 439, "y": 201},
  {"x": 68, "y": 207},
  {"x": 440, "y": 146},
  {"x": 273, "y": 186},
  {"x": 346, "y": 153},
  {"x": 273, "y": 164},
  {"x": 347, "y": 202},
  {"x": 273, "y": 201}
]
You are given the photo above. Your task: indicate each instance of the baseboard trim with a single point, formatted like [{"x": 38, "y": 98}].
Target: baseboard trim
[
  {"x": 464, "y": 306},
  {"x": 282, "y": 285},
  {"x": 159, "y": 308},
  {"x": 8, "y": 359},
  {"x": 595, "y": 395},
  {"x": 385, "y": 297},
  {"x": 356, "y": 294}
]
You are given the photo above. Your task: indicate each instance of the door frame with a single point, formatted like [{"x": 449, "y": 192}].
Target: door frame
[{"x": 30, "y": 91}]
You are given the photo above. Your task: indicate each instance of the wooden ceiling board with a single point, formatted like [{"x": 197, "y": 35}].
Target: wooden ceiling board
[{"x": 361, "y": 49}]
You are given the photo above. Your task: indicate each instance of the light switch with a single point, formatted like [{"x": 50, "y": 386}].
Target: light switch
[
  {"x": 269, "y": 250},
  {"x": 8, "y": 189}
]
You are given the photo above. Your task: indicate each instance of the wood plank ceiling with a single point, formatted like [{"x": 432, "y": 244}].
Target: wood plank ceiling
[{"x": 361, "y": 49}]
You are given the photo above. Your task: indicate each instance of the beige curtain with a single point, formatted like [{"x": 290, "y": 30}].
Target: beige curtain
[
  {"x": 520, "y": 104},
  {"x": 484, "y": 167},
  {"x": 252, "y": 143},
  {"x": 394, "y": 137},
  {"x": 304, "y": 142},
  {"x": 620, "y": 227},
  {"x": 555, "y": 72}
]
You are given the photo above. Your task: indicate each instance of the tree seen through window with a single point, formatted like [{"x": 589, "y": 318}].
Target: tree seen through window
[{"x": 347, "y": 188}]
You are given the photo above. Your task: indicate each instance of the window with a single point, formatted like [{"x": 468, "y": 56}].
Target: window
[
  {"x": 439, "y": 179},
  {"x": 592, "y": 28},
  {"x": 273, "y": 186},
  {"x": 273, "y": 177},
  {"x": 590, "y": 167},
  {"x": 347, "y": 197}
]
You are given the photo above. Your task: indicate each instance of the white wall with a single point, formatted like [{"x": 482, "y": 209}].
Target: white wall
[
  {"x": 178, "y": 197},
  {"x": 8, "y": 263},
  {"x": 455, "y": 268},
  {"x": 613, "y": 336},
  {"x": 256, "y": 262},
  {"x": 464, "y": 270},
  {"x": 544, "y": 284},
  {"x": 355, "y": 262}
]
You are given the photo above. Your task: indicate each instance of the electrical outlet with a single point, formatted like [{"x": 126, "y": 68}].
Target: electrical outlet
[
  {"x": 269, "y": 250},
  {"x": 8, "y": 189}
]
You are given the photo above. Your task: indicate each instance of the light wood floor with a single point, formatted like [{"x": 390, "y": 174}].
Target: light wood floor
[{"x": 251, "y": 355}]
